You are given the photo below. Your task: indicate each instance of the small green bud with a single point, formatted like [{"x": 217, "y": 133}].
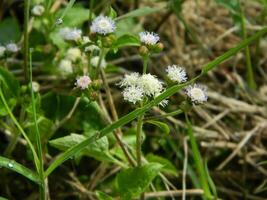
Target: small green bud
[
  {"x": 108, "y": 40},
  {"x": 96, "y": 84}
]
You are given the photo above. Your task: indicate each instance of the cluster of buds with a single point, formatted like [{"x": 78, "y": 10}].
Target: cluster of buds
[{"x": 88, "y": 87}]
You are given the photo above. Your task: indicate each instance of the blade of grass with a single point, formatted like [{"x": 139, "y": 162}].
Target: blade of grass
[
  {"x": 24, "y": 171},
  {"x": 134, "y": 114},
  {"x": 140, "y": 12},
  {"x": 210, "y": 181},
  {"x": 38, "y": 137},
  {"x": 198, "y": 160}
]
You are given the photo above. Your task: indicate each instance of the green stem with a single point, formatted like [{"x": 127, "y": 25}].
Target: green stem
[
  {"x": 139, "y": 140},
  {"x": 139, "y": 145},
  {"x": 198, "y": 161},
  {"x": 250, "y": 75},
  {"x": 38, "y": 138},
  {"x": 26, "y": 39},
  {"x": 145, "y": 61},
  {"x": 91, "y": 11}
]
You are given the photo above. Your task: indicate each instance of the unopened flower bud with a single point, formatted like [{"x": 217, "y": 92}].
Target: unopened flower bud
[
  {"x": 108, "y": 40},
  {"x": 143, "y": 51},
  {"x": 96, "y": 84},
  {"x": 159, "y": 47}
]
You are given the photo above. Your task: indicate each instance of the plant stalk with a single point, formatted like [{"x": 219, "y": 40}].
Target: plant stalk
[{"x": 26, "y": 39}]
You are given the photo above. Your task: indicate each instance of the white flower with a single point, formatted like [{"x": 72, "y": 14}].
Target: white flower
[
  {"x": 38, "y": 10},
  {"x": 83, "y": 82},
  {"x": 91, "y": 48},
  {"x": 2, "y": 50},
  {"x": 35, "y": 86},
  {"x": 197, "y": 93},
  {"x": 70, "y": 34},
  {"x": 150, "y": 84},
  {"x": 176, "y": 73},
  {"x": 12, "y": 47},
  {"x": 73, "y": 54},
  {"x": 65, "y": 67},
  {"x": 133, "y": 94},
  {"x": 130, "y": 80},
  {"x": 95, "y": 60},
  {"x": 149, "y": 38},
  {"x": 103, "y": 25}
]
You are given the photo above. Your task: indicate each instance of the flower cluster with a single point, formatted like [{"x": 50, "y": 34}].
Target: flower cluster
[
  {"x": 103, "y": 25},
  {"x": 137, "y": 87}
]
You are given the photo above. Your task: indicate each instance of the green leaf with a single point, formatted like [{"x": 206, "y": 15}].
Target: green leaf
[
  {"x": 2, "y": 198},
  {"x": 126, "y": 40},
  {"x": 9, "y": 31},
  {"x": 168, "y": 167},
  {"x": 97, "y": 150},
  {"x": 176, "y": 5},
  {"x": 163, "y": 126},
  {"x": 140, "y": 12},
  {"x": 102, "y": 196},
  {"x": 140, "y": 111},
  {"x": 10, "y": 87},
  {"x": 74, "y": 17},
  {"x": 24, "y": 171},
  {"x": 134, "y": 181},
  {"x": 112, "y": 13}
]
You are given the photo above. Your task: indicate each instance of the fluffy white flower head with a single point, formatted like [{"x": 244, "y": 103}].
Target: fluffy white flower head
[
  {"x": 2, "y": 50},
  {"x": 150, "y": 84},
  {"x": 73, "y": 54},
  {"x": 197, "y": 93},
  {"x": 38, "y": 10},
  {"x": 103, "y": 25},
  {"x": 12, "y": 47},
  {"x": 95, "y": 60},
  {"x": 130, "y": 80},
  {"x": 70, "y": 34},
  {"x": 83, "y": 82},
  {"x": 35, "y": 86},
  {"x": 133, "y": 94},
  {"x": 149, "y": 38},
  {"x": 176, "y": 73},
  {"x": 65, "y": 67}
]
